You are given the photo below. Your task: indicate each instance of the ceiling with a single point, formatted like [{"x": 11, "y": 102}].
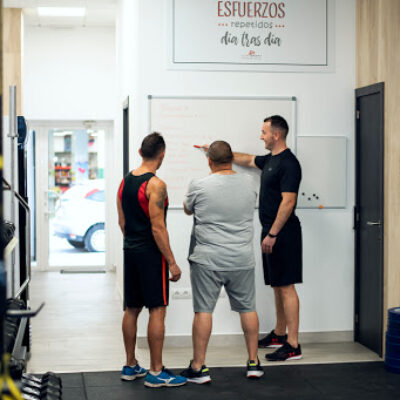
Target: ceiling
[{"x": 98, "y": 12}]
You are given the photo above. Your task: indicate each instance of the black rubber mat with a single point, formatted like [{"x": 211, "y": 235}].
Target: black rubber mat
[{"x": 367, "y": 381}]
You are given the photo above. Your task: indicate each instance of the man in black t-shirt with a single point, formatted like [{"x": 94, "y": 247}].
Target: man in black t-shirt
[{"x": 281, "y": 240}]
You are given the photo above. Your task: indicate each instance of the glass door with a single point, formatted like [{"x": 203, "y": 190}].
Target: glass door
[{"x": 73, "y": 224}]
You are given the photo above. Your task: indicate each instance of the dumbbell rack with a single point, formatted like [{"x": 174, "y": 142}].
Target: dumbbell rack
[
  {"x": 18, "y": 201},
  {"x": 50, "y": 385},
  {"x": 21, "y": 344}
]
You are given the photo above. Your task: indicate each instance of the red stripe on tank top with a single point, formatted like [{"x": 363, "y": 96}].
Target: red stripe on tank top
[
  {"x": 143, "y": 200},
  {"x": 121, "y": 188}
]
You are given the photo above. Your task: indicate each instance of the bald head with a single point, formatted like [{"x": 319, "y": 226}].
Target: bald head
[{"x": 220, "y": 153}]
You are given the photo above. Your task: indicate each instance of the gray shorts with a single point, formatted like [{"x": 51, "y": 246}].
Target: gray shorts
[{"x": 206, "y": 287}]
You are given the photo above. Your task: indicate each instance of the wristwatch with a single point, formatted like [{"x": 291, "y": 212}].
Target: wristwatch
[{"x": 271, "y": 235}]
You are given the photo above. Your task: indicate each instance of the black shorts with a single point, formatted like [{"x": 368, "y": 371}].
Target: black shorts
[
  {"x": 145, "y": 279},
  {"x": 284, "y": 266}
]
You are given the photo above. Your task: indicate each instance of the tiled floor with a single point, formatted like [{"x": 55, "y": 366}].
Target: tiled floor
[
  {"x": 61, "y": 254},
  {"x": 80, "y": 330}
]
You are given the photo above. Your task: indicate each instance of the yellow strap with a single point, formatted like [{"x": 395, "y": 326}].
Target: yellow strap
[
  {"x": 7, "y": 384},
  {"x": 16, "y": 394}
]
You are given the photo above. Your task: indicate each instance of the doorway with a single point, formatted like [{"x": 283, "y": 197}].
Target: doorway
[
  {"x": 369, "y": 216},
  {"x": 125, "y": 139},
  {"x": 70, "y": 195}
]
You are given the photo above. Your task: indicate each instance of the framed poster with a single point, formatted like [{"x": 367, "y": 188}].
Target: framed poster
[{"x": 287, "y": 35}]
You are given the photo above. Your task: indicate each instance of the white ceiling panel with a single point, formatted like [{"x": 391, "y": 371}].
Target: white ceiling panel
[{"x": 98, "y": 12}]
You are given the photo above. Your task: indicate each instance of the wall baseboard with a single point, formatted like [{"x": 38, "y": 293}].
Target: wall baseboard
[{"x": 227, "y": 340}]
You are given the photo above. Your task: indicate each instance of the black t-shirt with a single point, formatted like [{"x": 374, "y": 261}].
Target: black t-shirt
[{"x": 280, "y": 173}]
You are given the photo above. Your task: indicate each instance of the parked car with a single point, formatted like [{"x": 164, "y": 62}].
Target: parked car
[{"x": 80, "y": 216}]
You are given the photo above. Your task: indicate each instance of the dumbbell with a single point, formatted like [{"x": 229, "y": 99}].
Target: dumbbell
[
  {"x": 41, "y": 393},
  {"x": 42, "y": 386},
  {"x": 17, "y": 367},
  {"x": 10, "y": 334},
  {"x": 11, "y": 327},
  {"x": 48, "y": 377},
  {"x": 27, "y": 396},
  {"x": 12, "y": 319},
  {"x": 15, "y": 304}
]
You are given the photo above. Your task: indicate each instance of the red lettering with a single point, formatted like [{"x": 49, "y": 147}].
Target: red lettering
[
  {"x": 281, "y": 7},
  {"x": 228, "y": 13},
  {"x": 273, "y": 14},
  {"x": 257, "y": 8},
  {"x": 264, "y": 11},
  {"x": 220, "y": 9},
  {"x": 249, "y": 9},
  {"x": 234, "y": 8},
  {"x": 242, "y": 10}
]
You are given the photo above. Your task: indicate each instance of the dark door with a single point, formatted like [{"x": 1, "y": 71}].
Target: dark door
[
  {"x": 125, "y": 135},
  {"x": 369, "y": 216}
]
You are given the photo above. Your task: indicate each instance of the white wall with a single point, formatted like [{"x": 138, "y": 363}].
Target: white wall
[
  {"x": 325, "y": 107},
  {"x": 69, "y": 73}
]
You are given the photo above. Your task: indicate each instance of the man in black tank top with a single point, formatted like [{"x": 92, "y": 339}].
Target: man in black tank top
[
  {"x": 142, "y": 204},
  {"x": 281, "y": 240}
]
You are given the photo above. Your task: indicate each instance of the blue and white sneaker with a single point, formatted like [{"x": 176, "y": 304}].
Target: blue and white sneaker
[
  {"x": 131, "y": 373},
  {"x": 165, "y": 378}
]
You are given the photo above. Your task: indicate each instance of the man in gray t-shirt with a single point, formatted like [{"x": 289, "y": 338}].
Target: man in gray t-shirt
[
  {"x": 222, "y": 254},
  {"x": 223, "y": 206}
]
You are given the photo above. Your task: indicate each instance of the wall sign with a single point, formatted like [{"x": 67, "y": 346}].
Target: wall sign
[{"x": 278, "y": 33}]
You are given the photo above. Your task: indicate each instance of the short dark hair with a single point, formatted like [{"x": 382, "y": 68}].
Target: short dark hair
[
  {"x": 279, "y": 123},
  {"x": 152, "y": 145},
  {"x": 220, "y": 152}
]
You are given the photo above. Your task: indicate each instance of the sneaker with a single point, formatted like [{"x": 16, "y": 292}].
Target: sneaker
[
  {"x": 164, "y": 378},
  {"x": 131, "y": 373},
  {"x": 199, "y": 377},
  {"x": 254, "y": 370},
  {"x": 272, "y": 341},
  {"x": 286, "y": 352}
]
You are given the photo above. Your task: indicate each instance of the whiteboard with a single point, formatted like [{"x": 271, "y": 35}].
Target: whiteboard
[
  {"x": 323, "y": 161},
  {"x": 186, "y": 121}
]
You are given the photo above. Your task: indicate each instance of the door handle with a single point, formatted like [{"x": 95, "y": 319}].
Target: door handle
[{"x": 369, "y": 223}]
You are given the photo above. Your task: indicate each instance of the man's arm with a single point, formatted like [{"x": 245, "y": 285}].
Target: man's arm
[
  {"x": 157, "y": 192},
  {"x": 121, "y": 215},
  {"x": 242, "y": 159},
  {"x": 285, "y": 210},
  {"x": 187, "y": 212}
]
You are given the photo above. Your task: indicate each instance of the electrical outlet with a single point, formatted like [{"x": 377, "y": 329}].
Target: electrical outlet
[
  {"x": 186, "y": 293},
  {"x": 182, "y": 293}
]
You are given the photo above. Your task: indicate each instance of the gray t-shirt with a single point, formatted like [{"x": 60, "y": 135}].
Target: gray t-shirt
[{"x": 223, "y": 206}]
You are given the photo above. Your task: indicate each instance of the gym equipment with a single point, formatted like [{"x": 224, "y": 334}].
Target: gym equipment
[
  {"x": 48, "y": 387},
  {"x": 49, "y": 380},
  {"x": 392, "y": 355}
]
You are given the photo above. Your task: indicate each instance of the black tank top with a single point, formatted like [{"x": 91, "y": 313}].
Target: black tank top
[{"x": 135, "y": 204}]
